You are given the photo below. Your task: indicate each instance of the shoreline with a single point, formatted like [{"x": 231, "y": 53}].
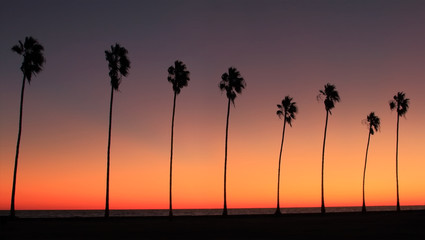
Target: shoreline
[
  {"x": 408, "y": 224},
  {"x": 58, "y": 213}
]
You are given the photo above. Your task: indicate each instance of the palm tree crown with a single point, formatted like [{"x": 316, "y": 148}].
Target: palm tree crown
[
  {"x": 232, "y": 82},
  {"x": 178, "y": 76},
  {"x": 331, "y": 96},
  {"x": 119, "y": 64},
  {"x": 373, "y": 122},
  {"x": 287, "y": 110},
  {"x": 401, "y": 103},
  {"x": 32, "y": 51}
]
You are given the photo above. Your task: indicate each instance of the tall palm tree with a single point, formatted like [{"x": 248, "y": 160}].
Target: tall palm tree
[
  {"x": 287, "y": 110},
  {"x": 330, "y": 94},
  {"x": 232, "y": 82},
  {"x": 178, "y": 75},
  {"x": 33, "y": 59},
  {"x": 373, "y": 123},
  {"x": 119, "y": 66},
  {"x": 401, "y": 104}
]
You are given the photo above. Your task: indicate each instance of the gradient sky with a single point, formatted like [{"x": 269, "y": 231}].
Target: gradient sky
[{"x": 368, "y": 49}]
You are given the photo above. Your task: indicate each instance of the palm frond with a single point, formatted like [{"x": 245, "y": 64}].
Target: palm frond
[
  {"x": 392, "y": 105},
  {"x": 233, "y": 83},
  {"x": 232, "y": 96},
  {"x": 401, "y": 103},
  {"x": 225, "y": 77},
  {"x": 118, "y": 64},
  {"x": 288, "y": 109},
  {"x": 373, "y": 122},
  {"x": 279, "y": 113},
  {"x": 178, "y": 75},
  {"x": 331, "y": 96},
  {"x": 17, "y": 49},
  {"x": 32, "y": 52}
]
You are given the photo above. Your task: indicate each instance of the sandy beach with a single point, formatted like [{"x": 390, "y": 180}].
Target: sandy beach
[{"x": 372, "y": 225}]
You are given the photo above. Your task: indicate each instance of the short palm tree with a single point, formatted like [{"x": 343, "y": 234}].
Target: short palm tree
[
  {"x": 33, "y": 59},
  {"x": 287, "y": 110},
  {"x": 330, "y": 95},
  {"x": 373, "y": 122},
  {"x": 232, "y": 82},
  {"x": 179, "y": 77},
  {"x": 401, "y": 104},
  {"x": 119, "y": 66}
]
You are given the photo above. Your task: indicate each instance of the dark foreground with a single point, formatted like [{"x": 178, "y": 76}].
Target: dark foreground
[{"x": 372, "y": 225}]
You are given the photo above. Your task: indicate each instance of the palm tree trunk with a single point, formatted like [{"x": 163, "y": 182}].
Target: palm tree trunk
[
  {"x": 225, "y": 160},
  {"x": 396, "y": 164},
  {"x": 323, "y": 210},
  {"x": 108, "y": 155},
  {"x": 171, "y": 155},
  {"x": 364, "y": 172},
  {"x": 12, "y": 202},
  {"x": 278, "y": 172}
]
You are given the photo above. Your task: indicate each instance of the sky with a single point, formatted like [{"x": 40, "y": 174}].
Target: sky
[{"x": 369, "y": 50}]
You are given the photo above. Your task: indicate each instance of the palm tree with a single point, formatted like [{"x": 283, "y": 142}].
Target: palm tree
[
  {"x": 33, "y": 59},
  {"x": 331, "y": 96},
  {"x": 373, "y": 123},
  {"x": 401, "y": 103},
  {"x": 288, "y": 109},
  {"x": 232, "y": 82},
  {"x": 119, "y": 66},
  {"x": 179, "y": 77}
]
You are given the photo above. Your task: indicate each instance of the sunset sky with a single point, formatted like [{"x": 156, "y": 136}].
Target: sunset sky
[{"x": 369, "y": 49}]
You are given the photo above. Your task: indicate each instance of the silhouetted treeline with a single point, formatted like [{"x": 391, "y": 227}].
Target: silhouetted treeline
[{"x": 231, "y": 82}]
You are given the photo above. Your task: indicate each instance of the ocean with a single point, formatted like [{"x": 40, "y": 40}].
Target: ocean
[{"x": 190, "y": 212}]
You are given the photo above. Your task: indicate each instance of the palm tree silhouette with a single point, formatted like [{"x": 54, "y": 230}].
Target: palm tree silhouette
[
  {"x": 401, "y": 104},
  {"x": 373, "y": 123},
  {"x": 119, "y": 65},
  {"x": 179, "y": 77},
  {"x": 32, "y": 52},
  {"x": 232, "y": 82},
  {"x": 331, "y": 96},
  {"x": 288, "y": 109}
]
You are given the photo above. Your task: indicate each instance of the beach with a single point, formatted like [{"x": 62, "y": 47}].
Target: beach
[{"x": 354, "y": 225}]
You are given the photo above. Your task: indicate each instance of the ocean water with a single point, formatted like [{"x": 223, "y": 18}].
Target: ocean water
[{"x": 190, "y": 212}]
